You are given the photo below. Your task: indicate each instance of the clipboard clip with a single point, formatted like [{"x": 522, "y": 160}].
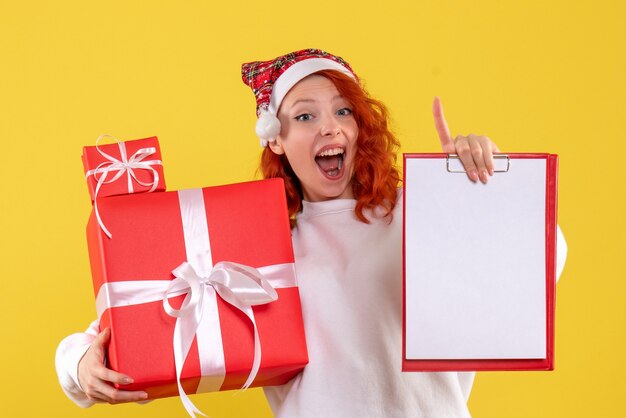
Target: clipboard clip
[{"x": 454, "y": 165}]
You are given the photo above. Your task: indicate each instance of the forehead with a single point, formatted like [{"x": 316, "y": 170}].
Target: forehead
[{"x": 311, "y": 87}]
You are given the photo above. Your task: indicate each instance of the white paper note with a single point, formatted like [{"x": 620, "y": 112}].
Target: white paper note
[{"x": 475, "y": 262}]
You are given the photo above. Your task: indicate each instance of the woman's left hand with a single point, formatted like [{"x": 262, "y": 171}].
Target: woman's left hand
[{"x": 475, "y": 151}]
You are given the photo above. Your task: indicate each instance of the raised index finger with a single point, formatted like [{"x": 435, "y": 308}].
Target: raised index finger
[{"x": 447, "y": 144}]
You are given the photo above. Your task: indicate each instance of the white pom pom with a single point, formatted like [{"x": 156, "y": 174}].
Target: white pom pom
[{"x": 267, "y": 127}]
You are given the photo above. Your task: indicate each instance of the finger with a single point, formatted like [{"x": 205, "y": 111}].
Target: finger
[
  {"x": 110, "y": 394},
  {"x": 463, "y": 149},
  {"x": 104, "y": 336},
  {"x": 96, "y": 397},
  {"x": 112, "y": 376},
  {"x": 97, "y": 393},
  {"x": 447, "y": 144},
  {"x": 98, "y": 390},
  {"x": 478, "y": 155},
  {"x": 488, "y": 154}
]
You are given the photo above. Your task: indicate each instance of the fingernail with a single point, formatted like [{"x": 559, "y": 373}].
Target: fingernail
[
  {"x": 127, "y": 380},
  {"x": 483, "y": 177},
  {"x": 144, "y": 395},
  {"x": 474, "y": 175},
  {"x": 491, "y": 171}
]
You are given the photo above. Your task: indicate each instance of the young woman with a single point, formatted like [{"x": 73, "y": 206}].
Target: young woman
[{"x": 331, "y": 143}]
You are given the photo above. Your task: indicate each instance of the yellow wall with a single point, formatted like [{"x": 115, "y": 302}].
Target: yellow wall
[{"x": 535, "y": 76}]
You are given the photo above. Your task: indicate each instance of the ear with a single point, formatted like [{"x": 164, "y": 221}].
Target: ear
[{"x": 276, "y": 146}]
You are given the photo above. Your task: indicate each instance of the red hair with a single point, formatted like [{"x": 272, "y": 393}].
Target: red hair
[{"x": 376, "y": 178}]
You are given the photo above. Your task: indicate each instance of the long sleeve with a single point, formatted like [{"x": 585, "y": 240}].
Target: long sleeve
[
  {"x": 68, "y": 355},
  {"x": 561, "y": 252}
]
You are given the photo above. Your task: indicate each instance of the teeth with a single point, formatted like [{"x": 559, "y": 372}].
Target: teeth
[{"x": 329, "y": 152}]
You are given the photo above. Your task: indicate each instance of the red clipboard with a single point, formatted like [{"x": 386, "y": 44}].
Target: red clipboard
[{"x": 462, "y": 309}]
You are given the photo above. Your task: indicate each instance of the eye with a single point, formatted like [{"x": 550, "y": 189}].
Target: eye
[
  {"x": 304, "y": 117},
  {"x": 346, "y": 111}
]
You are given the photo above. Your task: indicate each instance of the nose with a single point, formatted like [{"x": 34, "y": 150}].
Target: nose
[
  {"x": 330, "y": 127},
  {"x": 331, "y": 131}
]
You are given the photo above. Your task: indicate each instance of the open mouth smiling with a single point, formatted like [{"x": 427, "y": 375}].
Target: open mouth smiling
[{"x": 330, "y": 161}]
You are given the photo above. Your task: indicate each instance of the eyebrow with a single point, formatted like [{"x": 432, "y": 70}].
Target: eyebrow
[
  {"x": 302, "y": 101},
  {"x": 337, "y": 97}
]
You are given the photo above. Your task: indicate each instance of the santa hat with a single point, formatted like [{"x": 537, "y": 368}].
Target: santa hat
[{"x": 271, "y": 81}]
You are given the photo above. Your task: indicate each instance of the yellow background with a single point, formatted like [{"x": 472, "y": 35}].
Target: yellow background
[{"x": 536, "y": 76}]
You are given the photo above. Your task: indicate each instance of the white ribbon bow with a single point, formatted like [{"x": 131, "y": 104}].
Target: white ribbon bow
[
  {"x": 125, "y": 165},
  {"x": 240, "y": 286}
]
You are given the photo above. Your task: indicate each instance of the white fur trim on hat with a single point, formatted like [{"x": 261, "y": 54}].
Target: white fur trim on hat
[{"x": 297, "y": 72}]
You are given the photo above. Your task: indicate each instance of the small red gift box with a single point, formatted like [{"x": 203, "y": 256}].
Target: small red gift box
[
  {"x": 123, "y": 167},
  {"x": 184, "y": 243}
]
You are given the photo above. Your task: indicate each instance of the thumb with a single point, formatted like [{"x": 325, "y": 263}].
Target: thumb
[{"x": 101, "y": 342}]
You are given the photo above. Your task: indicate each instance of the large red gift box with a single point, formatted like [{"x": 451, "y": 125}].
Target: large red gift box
[
  {"x": 153, "y": 233},
  {"x": 137, "y": 162}
]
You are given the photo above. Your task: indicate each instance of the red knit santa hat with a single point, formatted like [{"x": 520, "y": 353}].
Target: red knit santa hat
[{"x": 271, "y": 81}]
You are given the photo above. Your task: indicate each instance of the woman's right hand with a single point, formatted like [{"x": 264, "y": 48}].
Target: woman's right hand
[
  {"x": 474, "y": 151},
  {"x": 97, "y": 381}
]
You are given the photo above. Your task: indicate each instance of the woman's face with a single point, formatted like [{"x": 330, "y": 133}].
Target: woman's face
[{"x": 318, "y": 136}]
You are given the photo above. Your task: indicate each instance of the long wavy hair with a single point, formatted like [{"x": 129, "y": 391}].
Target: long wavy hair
[{"x": 376, "y": 178}]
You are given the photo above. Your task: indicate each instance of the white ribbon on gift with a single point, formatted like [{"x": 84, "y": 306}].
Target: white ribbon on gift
[
  {"x": 125, "y": 165},
  {"x": 239, "y": 285}
]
